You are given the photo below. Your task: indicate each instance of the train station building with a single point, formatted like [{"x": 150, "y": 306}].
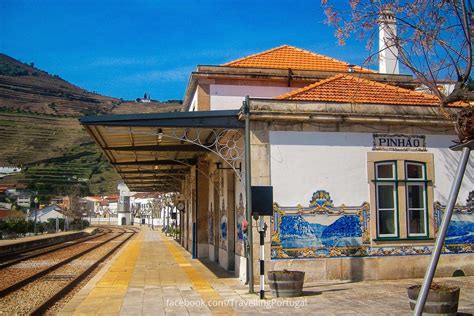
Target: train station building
[{"x": 358, "y": 159}]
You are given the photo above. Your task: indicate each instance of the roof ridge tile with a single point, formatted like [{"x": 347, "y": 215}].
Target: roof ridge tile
[
  {"x": 256, "y": 54},
  {"x": 292, "y": 57}
]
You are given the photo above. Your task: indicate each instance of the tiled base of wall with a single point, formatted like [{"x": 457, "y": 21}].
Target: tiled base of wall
[{"x": 376, "y": 268}]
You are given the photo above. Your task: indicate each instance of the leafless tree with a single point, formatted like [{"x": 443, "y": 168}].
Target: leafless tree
[{"x": 433, "y": 39}]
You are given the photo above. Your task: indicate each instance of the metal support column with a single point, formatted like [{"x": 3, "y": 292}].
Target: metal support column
[
  {"x": 248, "y": 192},
  {"x": 453, "y": 195},
  {"x": 261, "y": 230}
]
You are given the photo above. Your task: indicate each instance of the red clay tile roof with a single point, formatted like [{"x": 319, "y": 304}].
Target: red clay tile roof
[
  {"x": 344, "y": 88},
  {"x": 112, "y": 197},
  {"x": 287, "y": 56}
]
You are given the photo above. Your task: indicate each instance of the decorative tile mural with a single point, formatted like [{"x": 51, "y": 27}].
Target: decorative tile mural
[
  {"x": 323, "y": 230},
  {"x": 223, "y": 226},
  {"x": 460, "y": 235},
  {"x": 240, "y": 216},
  {"x": 320, "y": 230}
]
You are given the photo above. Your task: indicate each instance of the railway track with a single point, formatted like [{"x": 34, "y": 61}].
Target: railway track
[
  {"x": 40, "y": 289},
  {"x": 22, "y": 255}
]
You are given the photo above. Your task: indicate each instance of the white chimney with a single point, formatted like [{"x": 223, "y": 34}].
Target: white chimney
[{"x": 388, "y": 52}]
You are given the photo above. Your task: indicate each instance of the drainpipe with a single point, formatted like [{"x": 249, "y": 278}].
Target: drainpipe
[{"x": 248, "y": 192}]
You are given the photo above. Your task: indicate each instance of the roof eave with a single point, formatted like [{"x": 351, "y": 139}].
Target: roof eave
[
  {"x": 213, "y": 71},
  {"x": 327, "y": 112}
]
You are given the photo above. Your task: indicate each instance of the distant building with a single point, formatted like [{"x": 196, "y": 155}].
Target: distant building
[
  {"x": 51, "y": 211},
  {"x": 146, "y": 208},
  {"x": 24, "y": 199},
  {"x": 146, "y": 99},
  {"x": 64, "y": 202},
  {"x": 4, "y": 171}
]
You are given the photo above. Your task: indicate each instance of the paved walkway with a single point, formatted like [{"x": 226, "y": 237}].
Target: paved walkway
[{"x": 153, "y": 275}]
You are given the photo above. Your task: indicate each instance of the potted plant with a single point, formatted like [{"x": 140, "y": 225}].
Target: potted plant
[
  {"x": 286, "y": 283},
  {"x": 441, "y": 300}
]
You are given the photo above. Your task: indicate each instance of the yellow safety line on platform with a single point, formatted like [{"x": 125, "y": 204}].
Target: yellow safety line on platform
[
  {"x": 200, "y": 284},
  {"x": 108, "y": 294}
]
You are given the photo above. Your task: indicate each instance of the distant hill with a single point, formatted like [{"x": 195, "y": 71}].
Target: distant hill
[
  {"x": 39, "y": 130},
  {"x": 26, "y": 88}
]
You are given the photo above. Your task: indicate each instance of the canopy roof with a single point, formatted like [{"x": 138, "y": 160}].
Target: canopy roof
[{"x": 154, "y": 152}]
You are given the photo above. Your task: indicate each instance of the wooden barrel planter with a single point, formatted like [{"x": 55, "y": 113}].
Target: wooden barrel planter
[
  {"x": 441, "y": 300},
  {"x": 286, "y": 283}
]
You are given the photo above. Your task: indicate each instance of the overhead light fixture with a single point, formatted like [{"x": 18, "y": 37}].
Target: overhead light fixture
[{"x": 160, "y": 135}]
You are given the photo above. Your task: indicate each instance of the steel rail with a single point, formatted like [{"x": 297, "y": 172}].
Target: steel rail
[
  {"x": 38, "y": 275},
  {"x": 40, "y": 310},
  {"x": 39, "y": 247},
  {"x": 43, "y": 250}
]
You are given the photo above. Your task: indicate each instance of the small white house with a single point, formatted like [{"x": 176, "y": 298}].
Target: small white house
[
  {"x": 42, "y": 215},
  {"x": 5, "y": 171}
]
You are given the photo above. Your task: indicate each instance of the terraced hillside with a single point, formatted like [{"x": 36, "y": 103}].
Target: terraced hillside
[
  {"x": 81, "y": 170},
  {"x": 29, "y": 138},
  {"x": 39, "y": 130},
  {"x": 57, "y": 155}
]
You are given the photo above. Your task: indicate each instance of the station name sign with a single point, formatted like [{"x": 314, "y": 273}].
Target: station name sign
[{"x": 399, "y": 142}]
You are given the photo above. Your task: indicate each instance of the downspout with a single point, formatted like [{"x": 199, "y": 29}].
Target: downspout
[{"x": 248, "y": 192}]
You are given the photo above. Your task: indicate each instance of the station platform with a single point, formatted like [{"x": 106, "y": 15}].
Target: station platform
[
  {"x": 154, "y": 275},
  {"x": 10, "y": 246},
  {"x": 8, "y": 242}
]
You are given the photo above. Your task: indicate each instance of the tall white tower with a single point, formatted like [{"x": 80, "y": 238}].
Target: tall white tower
[
  {"x": 124, "y": 216},
  {"x": 388, "y": 52}
]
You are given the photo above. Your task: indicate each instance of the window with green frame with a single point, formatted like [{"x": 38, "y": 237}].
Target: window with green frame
[
  {"x": 415, "y": 182},
  {"x": 386, "y": 198},
  {"x": 388, "y": 201}
]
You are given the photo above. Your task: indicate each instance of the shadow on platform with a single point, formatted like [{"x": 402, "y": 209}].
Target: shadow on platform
[{"x": 218, "y": 271}]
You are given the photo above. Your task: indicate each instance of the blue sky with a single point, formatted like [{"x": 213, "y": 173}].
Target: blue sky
[{"x": 126, "y": 48}]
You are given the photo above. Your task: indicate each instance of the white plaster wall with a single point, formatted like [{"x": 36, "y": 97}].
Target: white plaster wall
[
  {"x": 127, "y": 218},
  {"x": 304, "y": 162},
  {"x": 193, "y": 105},
  {"x": 230, "y": 97},
  {"x": 446, "y": 162}
]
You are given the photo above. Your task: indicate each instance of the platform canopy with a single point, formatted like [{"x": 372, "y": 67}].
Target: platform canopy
[{"x": 154, "y": 152}]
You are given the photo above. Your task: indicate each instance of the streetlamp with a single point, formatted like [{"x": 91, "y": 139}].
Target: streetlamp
[
  {"x": 36, "y": 200},
  {"x": 82, "y": 214}
]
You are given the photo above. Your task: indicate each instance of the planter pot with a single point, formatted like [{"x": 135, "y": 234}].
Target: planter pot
[
  {"x": 286, "y": 283},
  {"x": 441, "y": 300}
]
